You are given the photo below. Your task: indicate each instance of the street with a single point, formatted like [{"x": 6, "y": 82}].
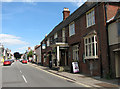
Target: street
[{"x": 24, "y": 75}]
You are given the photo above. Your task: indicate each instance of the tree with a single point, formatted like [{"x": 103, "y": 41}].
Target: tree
[
  {"x": 30, "y": 54},
  {"x": 17, "y": 55}
]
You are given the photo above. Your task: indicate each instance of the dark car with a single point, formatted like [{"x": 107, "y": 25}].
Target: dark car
[{"x": 7, "y": 62}]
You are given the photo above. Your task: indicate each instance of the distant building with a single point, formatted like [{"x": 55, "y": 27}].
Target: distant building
[
  {"x": 1, "y": 52},
  {"x": 38, "y": 54}
]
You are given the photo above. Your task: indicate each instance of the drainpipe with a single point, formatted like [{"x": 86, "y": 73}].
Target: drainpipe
[
  {"x": 108, "y": 49},
  {"x": 99, "y": 37}
]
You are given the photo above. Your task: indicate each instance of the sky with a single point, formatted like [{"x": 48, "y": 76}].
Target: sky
[{"x": 25, "y": 24}]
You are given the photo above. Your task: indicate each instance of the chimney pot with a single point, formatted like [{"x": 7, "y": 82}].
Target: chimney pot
[
  {"x": 46, "y": 35},
  {"x": 66, "y": 13}
]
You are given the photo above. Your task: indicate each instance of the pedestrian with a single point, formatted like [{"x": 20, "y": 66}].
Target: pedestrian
[{"x": 50, "y": 64}]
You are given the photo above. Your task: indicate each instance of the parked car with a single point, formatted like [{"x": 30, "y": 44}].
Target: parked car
[
  {"x": 29, "y": 60},
  {"x": 20, "y": 60},
  {"x": 12, "y": 60},
  {"x": 7, "y": 62},
  {"x": 24, "y": 61}
]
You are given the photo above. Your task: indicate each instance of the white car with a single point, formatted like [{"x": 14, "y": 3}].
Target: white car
[{"x": 20, "y": 60}]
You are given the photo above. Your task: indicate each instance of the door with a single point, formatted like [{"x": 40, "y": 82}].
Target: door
[
  {"x": 62, "y": 60},
  {"x": 66, "y": 58},
  {"x": 117, "y": 64}
]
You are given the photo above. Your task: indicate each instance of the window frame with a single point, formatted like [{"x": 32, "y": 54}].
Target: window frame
[
  {"x": 75, "y": 49},
  {"x": 48, "y": 42},
  {"x": 73, "y": 30},
  {"x": 93, "y": 51},
  {"x": 90, "y": 18},
  {"x": 55, "y": 35}
]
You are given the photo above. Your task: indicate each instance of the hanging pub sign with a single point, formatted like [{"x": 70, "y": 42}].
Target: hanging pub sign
[{"x": 75, "y": 67}]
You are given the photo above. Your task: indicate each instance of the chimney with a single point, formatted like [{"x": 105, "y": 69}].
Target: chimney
[
  {"x": 46, "y": 35},
  {"x": 66, "y": 13}
]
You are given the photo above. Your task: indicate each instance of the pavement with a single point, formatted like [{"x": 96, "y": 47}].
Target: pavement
[{"x": 82, "y": 79}]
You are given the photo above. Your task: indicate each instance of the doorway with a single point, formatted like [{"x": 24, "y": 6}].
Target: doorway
[
  {"x": 62, "y": 59},
  {"x": 117, "y": 64}
]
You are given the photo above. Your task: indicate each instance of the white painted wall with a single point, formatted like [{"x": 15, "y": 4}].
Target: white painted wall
[{"x": 113, "y": 34}]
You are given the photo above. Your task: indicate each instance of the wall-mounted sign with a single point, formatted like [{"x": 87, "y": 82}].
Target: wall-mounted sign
[
  {"x": 75, "y": 67},
  {"x": 43, "y": 46}
]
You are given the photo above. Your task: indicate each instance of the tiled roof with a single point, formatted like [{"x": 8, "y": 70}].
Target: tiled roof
[{"x": 80, "y": 11}]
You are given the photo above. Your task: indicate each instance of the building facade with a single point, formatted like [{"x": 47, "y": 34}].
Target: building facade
[
  {"x": 81, "y": 37},
  {"x": 1, "y": 52},
  {"x": 38, "y": 54},
  {"x": 114, "y": 45}
]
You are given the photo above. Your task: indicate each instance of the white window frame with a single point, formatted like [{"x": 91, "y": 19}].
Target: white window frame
[
  {"x": 48, "y": 42},
  {"x": 90, "y": 17},
  {"x": 71, "y": 29},
  {"x": 55, "y": 36},
  {"x": 93, "y": 53},
  {"x": 75, "y": 52}
]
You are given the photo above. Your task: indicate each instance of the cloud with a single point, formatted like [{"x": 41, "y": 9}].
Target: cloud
[
  {"x": 7, "y": 39},
  {"x": 22, "y": 49},
  {"x": 43, "y": 0},
  {"x": 76, "y": 2},
  {"x": 7, "y": 0}
]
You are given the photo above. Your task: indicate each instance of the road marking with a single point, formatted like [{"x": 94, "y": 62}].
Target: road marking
[
  {"x": 61, "y": 76},
  {"x": 24, "y": 78}
]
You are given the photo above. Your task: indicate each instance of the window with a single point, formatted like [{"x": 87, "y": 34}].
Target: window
[
  {"x": 72, "y": 29},
  {"x": 75, "y": 52},
  {"x": 55, "y": 35},
  {"x": 48, "y": 42},
  {"x": 91, "y": 47},
  {"x": 90, "y": 16},
  {"x": 63, "y": 35}
]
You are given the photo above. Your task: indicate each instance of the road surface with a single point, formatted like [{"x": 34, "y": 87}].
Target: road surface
[{"x": 24, "y": 75}]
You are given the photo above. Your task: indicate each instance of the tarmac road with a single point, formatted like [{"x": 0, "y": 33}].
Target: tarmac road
[{"x": 24, "y": 75}]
